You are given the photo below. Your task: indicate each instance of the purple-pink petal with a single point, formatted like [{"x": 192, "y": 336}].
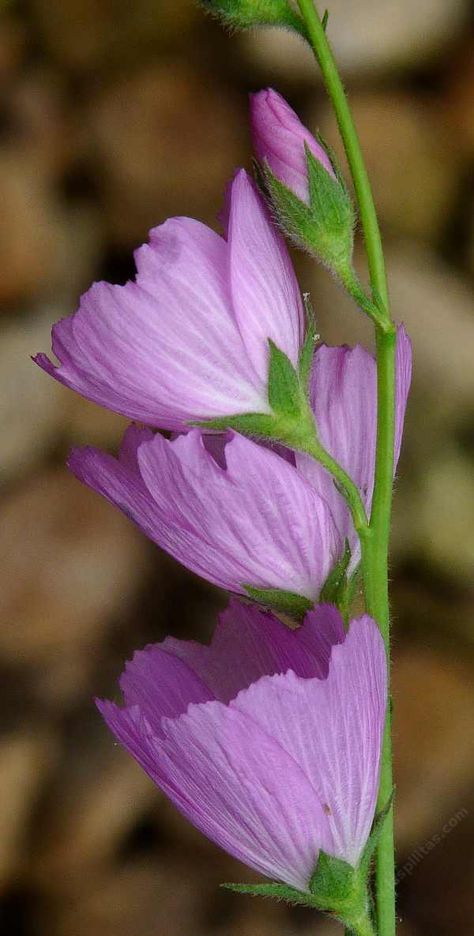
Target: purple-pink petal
[
  {"x": 187, "y": 340},
  {"x": 255, "y": 522},
  {"x": 279, "y": 139},
  {"x": 258, "y": 644}
]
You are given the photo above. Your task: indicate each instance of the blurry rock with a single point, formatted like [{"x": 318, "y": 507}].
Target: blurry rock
[
  {"x": 367, "y": 37},
  {"x": 96, "y": 800},
  {"x": 41, "y": 122},
  {"x": 30, "y": 402},
  {"x": 43, "y": 246},
  {"x": 85, "y": 423},
  {"x": 458, "y": 110},
  {"x": 167, "y": 143},
  {"x": 434, "y": 748},
  {"x": 25, "y": 762},
  {"x": 29, "y": 232},
  {"x": 12, "y": 45},
  {"x": 146, "y": 898},
  {"x": 413, "y": 168},
  {"x": 436, "y": 305},
  {"x": 445, "y": 515},
  {"x": 84, "y": 35},
  {"x": 68, "y": 562}
]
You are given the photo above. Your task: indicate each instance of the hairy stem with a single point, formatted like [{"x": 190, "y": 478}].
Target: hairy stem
[{"x": 374, "y": 546}]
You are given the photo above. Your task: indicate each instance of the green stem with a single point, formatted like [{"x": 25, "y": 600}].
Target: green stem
[
  {"x": 335, "y": 88},
  {"x": 375, "y": 545},
  {"x": 344, "y": 482},
  {"x": 375, "y": 570}
]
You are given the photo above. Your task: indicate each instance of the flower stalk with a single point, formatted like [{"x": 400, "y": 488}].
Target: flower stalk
[{"x": 375, "y": 547}]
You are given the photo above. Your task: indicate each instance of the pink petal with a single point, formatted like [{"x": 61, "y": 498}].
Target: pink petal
[
  {"x": 258, "y": 644},
  {"x": 265, "y": 293},
  {"x": 165, "y": 349},
  {"x": 161, "y": 684},
  {"x": 234, "y": 783},
  {"x": 333, "y": 728},
  {"x": 223, "y": 524}
]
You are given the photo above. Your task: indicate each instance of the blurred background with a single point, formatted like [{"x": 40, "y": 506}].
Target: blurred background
[{"x": 112, "y": 117}]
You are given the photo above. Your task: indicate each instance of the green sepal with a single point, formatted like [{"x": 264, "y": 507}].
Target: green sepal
[
  {"x": 325, "y": 226},
  {"x": 284, "y": 388},
  {"x": 253, "y": 424},
  {"x": 332, "y": 881},
  {"x": 374, "y": 837},
  {"x": 292, "y": 214},
  {"x": 332, "y": 213},
  {"x": 245, "y": 14},
  {"x": 278, "y": 891},
  {"x": 296, "y": 606},
  {"x": 343, "y": 891},
  {"x": 291, "y": 421},
  {"x": 334, "y": 588}
]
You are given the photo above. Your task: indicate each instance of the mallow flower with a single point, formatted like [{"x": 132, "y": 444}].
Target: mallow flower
[
  {"x": 280, "y": 140},
  {"x": 343, "y": 396},
  {"x": 188, "y": 339},
  {"x": 234, "y": 512},
  {"x": 275, "y": 757}
]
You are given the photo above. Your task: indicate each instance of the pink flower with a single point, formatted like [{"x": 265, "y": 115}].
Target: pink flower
[
  {"x": 279, "y": 139},
  {"x": 237, "y": 517},
  {"x": 275, "y": 756},
  {"x": 188, "y": 339}
]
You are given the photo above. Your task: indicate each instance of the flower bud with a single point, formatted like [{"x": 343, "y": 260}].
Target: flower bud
[
  {"x": 308, "y": 197},
  {"x": 279, "y": 140}
]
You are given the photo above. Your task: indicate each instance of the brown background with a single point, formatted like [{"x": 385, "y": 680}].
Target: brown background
[{"x": 113, "y": 116}]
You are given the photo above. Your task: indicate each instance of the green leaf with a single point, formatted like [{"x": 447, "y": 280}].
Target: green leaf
[
  {"x": 278, "y": 891},
  {"x": 284, "y": 388},
  {"x": 296, "y": 606},
  {"x": 333, "y": 590},
  {"x": 324, "y": 20}
]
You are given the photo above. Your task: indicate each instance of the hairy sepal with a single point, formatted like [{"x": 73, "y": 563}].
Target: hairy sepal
[
  {"x": 325, "y": 226},
  {"x": 245, "y": 14},
  {"x": 284, "y": 602}
]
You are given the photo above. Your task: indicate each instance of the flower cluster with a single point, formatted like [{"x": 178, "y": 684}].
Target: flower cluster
[{"x": 268, "y": 740}]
